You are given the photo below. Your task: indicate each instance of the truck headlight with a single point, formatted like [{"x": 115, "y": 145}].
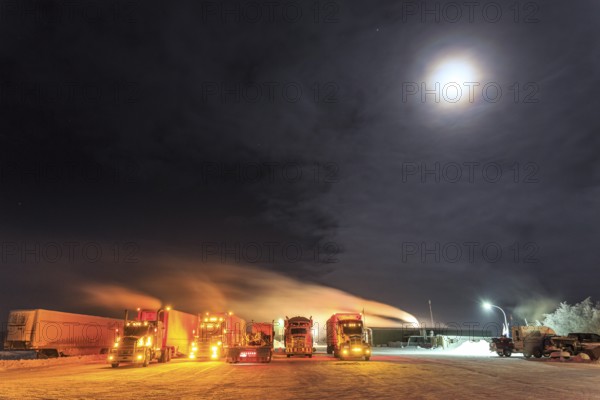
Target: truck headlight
[
  {"x": 140, "y": 341},
  {"x": 116, "y": 345},
  {"x": 139, "y": 357},
  {"x": 345, "y": 351}
]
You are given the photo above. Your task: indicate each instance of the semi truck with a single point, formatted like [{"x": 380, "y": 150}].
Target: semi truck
[
  {"x": 55, "y": 333},
  {"x": 153, "y": 335},
  {"x": 215, "y": 333},
  {"x": 257, "y": 346},
  {"x": 347, "y": 337},
  {"x": 298, "y": 337}
]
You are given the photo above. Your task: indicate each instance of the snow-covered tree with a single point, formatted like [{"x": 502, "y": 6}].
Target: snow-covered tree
[{"x": 580, "y": 317}]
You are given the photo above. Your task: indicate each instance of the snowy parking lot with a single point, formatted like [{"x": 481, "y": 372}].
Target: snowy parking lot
[{"x": 389, "y": 375}]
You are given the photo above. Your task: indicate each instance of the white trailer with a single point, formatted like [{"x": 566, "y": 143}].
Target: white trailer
[{"x": 56, "y": 333}]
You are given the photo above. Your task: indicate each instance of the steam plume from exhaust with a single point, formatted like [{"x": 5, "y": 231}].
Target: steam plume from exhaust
[
  {"x": 261, "y": 295},
  {"x": 117, "y": 297}
]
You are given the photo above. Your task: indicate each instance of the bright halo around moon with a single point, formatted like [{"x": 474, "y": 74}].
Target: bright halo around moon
[{"x": 454, "y": 81}]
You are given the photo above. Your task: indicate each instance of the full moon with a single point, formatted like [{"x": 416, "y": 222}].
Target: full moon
[
  {"x": 454, "y": 71},
  {"x": 453, "y": 79}
]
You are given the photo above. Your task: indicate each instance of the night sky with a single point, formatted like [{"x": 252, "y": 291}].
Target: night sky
[{"x": 255, "y": 156}]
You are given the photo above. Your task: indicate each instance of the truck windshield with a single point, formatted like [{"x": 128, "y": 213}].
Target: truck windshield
[
  {"x": 352, "y": 328},
  {"x": 298, "y": 331},
  {"x": 136, "y": 330}
]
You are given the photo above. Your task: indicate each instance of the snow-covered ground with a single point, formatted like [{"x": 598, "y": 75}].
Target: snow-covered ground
[{"x": 389, "y": 375}]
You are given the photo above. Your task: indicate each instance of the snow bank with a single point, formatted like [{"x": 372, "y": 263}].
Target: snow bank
[
  {"x": 16, "y": 364},
  {"x": 471, "y": 348},
  {"x": 17, "y": 355}
]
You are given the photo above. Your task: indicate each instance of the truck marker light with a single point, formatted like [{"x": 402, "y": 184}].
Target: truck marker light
[
  {"x": 139, "y": 357},
  {"x": 116, "y": 345},
  {"x": 192, "y": 356},
  {"x": 110, "y": 357}
]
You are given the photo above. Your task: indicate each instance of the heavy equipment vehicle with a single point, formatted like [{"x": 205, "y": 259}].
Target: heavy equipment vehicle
[{"x": 257, "y": 346}]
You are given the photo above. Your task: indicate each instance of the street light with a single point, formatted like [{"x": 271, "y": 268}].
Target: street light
[{"x": 489, "y": 306}]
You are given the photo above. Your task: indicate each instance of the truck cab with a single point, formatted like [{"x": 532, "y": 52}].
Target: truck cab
[
  {"x": 298, "y": 338},
  {"x": 142, "y": 341},
  {"x": 347, "y": 337}
]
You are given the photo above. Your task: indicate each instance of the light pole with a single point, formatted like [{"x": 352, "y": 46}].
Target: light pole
[{"x": 488, "y": 306}]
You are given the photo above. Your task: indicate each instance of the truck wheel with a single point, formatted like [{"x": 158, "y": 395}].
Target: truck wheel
[
  {"x": 115, "y": 365},
  {"x": 310, "y": 356},
  {"x": 168, "y": 355},
  {"x": 500, "y": 354},
  {"x": 329, "y": 350},
  {"x": 146, "y": 359},
  {"x": 289, "y": 355},
  {"x": 537, "y": 353},
  {"x": 507, "y": 353},
  {"x": 163, "y": 357},
  {"x": 526, "y": 354},
  {"x": 367, "y": 358}
]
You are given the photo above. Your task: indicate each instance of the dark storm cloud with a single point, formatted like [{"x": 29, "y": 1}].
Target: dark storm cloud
[{"x": 175, "y": 128}]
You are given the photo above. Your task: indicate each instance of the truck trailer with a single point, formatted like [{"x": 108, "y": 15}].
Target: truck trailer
[
  {"x": 153, "y": 335},
  {"x": 215, "y": 334},
  {"x": 298, "y": 337},
  {"x": 257, "y": 346},
  {"x": 347, "y": 336},
  {"x": 55, "y": 333}
]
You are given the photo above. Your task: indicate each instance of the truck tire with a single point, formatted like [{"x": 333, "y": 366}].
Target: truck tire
[
  {"x": 329, "y": 349},
  {"x": 310, "y": 356},
  {"x": 500, "y": 354},
  {"x": 526, "y": 354},
  {"x": 507, "y": 352},
  {"x": 537, "y": 353},
  {"x": 289, "y": 355},
  {"x": 163, "y": 357},
  {"x": 168, "y": 355},
  {"x": 367, "y": 358},
  {"x": 115, "y": 365},
  {"x": 146, "y": 359}
]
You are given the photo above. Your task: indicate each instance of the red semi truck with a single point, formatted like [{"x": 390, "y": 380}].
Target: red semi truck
[
  {"x": 215, "y": 334},
  {"x": 55, "y": 333},
  {"x": 257, "y": 346},
  {"x": 298, "y": 336},
  {"x": 347, "y": 336},
  {"x": 153, "y": 335}
]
